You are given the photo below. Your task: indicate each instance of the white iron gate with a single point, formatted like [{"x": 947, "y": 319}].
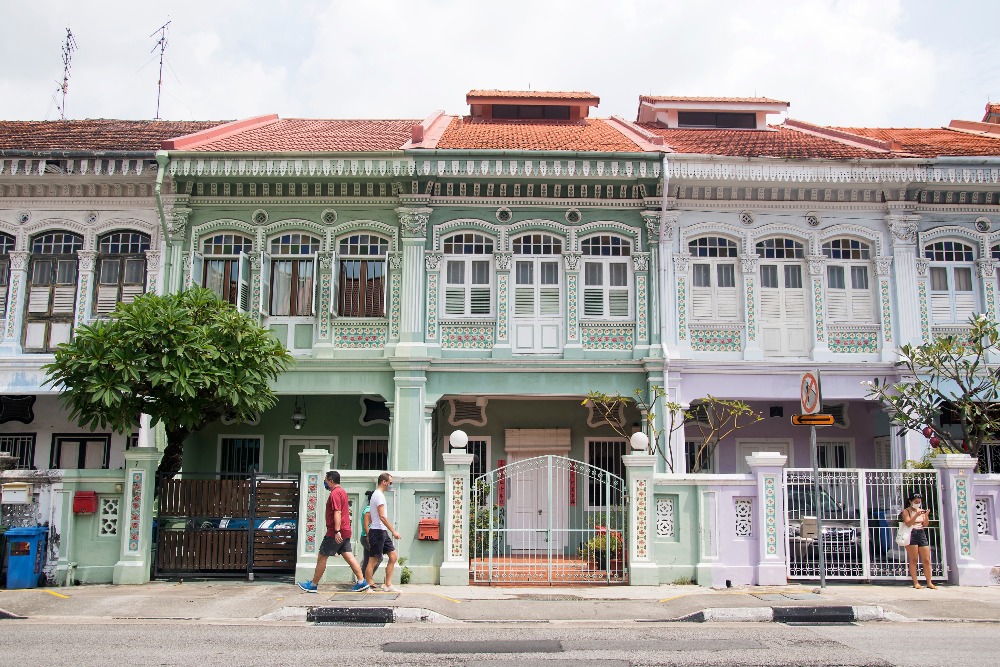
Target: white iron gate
[
  {"x": 860, "y": 511},
  {"x": 550, "y": 520}
]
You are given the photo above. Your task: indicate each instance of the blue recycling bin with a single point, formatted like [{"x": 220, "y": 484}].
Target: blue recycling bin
[{"x": 25, "y": 556}]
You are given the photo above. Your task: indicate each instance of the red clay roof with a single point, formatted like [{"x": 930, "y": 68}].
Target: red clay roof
[
  {"x": 591, "y": 134},
  {"x": 679, "y": 98},
  {"x": 991, "y": 110},
  {"x": 533, "y": 94},
  {"x": 309, "y": 135},
  {"x": 776, "y": 142},
  {"x": 97, "y": 134},
  {"x": 931, "y": 142}
]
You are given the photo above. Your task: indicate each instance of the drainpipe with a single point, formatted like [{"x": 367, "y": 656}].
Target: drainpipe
[
  {"x": 667, "y": 296},
  {"x": 162, "y": 160}
]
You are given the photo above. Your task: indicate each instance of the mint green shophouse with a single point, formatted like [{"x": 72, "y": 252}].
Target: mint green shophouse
[{"x": 451, "y": 274}]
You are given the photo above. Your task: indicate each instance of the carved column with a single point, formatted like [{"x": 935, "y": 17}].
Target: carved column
[
  {"x": 574, "y": 344},
  {"x": 664, "y": 276},
  {"x": 410, "y": 281},
  {"x": 752, "y": 350},
  {"x": 640, "y": 268},
  {"x": 911, "y": 288},
  {"x": 654, "y": 231},
  {"x": 175, "y": 266},
  {"x": 883, "y": 273},
  {"x": 682, "y": 335},
  {"x": 817, "y": 269},
  {"x": 153, "y": 278},
  {"x": 432, "y": 262},
  {"x": 86, "y": 259},
  {"x": 15, "y": 302},
  {"x": 325, "y": 307},
  {"x": 504, "y": 262},
  {"x": 395, "y": 272},
  {"x": 987, "y": 270},
  {"x": 923, "y": 287}
]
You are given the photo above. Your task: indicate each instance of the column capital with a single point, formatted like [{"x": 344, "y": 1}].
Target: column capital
[
  {"x": 748, "y": 263},
  {"x": 883, "y": 266},
  {"x": 503, "y": 260},
  {"x": 572, "y": 260},
  {"x": 432, "y": 260},
  {"x": 413, "y": 221},
  {"x": 177, "y": 220},
  {"x": 19, "y": 260},
  {"x": 903, "y": 227},
  {"x": 987, "y": 268},
  {"x": 640, "y": 261}
]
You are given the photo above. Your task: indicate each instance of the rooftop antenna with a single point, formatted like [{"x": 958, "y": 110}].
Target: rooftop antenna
[
  {"x": 69, "y": 46},
  {"x": 162, "y": 45}
]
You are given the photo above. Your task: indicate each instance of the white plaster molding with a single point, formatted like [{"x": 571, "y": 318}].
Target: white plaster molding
[
  {"x": 492, "y": 230},
  {"x": 354, "y": 226}
]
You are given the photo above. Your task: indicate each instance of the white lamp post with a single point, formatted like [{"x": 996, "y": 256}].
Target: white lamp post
[
  {"x": 458, "y": 439},
  {"x": 639, "y": 441}
]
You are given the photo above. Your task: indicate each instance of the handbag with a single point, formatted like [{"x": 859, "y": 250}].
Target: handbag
[{"x": 903, "y": 534}]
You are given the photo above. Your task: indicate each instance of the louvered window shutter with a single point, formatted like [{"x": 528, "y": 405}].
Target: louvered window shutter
[
  {"x": 727, "y": 304},
  {"x": 549, "y": 302},
  {"x": 701, "y": 304},
  {"x": 836, "y": 305},
  {"x": 265, "y": 283},
  {"x": 524, "y": 301}
]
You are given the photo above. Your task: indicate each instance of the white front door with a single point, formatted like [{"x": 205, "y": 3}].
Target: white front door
[
  {"x": 292, "y": 447},
  {"x": 537, "y": 306},
  {"x": 746, "y": 448},
  {"x": 534, "y": 499},
  {"x": 783, "y": 325}
]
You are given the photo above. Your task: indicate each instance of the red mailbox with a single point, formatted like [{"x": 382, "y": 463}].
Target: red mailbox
[
  {"x": 429, "y": 529},
  {"x": 84, "y": 502}
]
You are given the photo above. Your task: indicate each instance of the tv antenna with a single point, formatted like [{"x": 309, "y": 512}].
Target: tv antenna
[
  {"x": 69, "y": 46},
  {"x": 162, "y": 45}
]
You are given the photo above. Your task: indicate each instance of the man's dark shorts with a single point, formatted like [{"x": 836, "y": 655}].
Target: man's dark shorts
[
  {"x": 329, "y": 547},
  {"x": 918, "y": 538},
  {"x": 380, "y": 543}
]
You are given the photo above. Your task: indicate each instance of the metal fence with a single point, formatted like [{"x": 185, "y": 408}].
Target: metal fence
[
  {"x": 548, "y": 520},
  {"x": 859, "y": 510}
]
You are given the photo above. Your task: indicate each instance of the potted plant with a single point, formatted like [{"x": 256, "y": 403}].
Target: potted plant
[{"x": 604, "y": 545}]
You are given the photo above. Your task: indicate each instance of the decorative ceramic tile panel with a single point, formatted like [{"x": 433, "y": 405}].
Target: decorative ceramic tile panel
[
  {"x": 641, "y": 305},
  {"x": 12, "y": 307},
  {"x": 607, "y": 336},
  {"x": 572, "y": 296},
  {"x": 854, "y": 341},
  {"x": 681, "y": 307},
  {"x": 107, "y": 525},
  {"x": 925, "y": 327},
  {"x": 255, "y": 295},
  {"x": 744, "y": 517},
  {"x": 503, "y": 298},
  {"x": 396, "y": 283},
  {"x": 135, "y": 511},
  {"x": 641, "y": 519},
  {"x": 983, "y": 516},
  {"x": 818, "y": 309},
  {"x": 325, "y": 288},
  {"x": 432, "y": 305},
  {"x": 312, "y": 502},
  {"x": 717, "y": 340},
  {"x": 991, "y": 300},
  {"x": 751, "y": 320},
  {"x": 770, "y": 515},
  {"x": 964, "y": 534},
  {"x": 430, "y": 507},
  {"x": 457, "y": 512},
  {"x": 466, "y": 337},
  {"x": 665, "y": 517},
  {"x": 81, "y": 299},
  {"x": 364, "y": 336},
  {"x": 886, "y": 311}
]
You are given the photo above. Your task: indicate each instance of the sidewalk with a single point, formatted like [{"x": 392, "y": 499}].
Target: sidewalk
[{"x": 240, "y": 601}]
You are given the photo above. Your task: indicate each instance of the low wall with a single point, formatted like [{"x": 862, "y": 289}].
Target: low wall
[
  {"x": 91, "y": 543},
  {"x": 986, "y": 491},
  {"x": 44, "y": 509}
]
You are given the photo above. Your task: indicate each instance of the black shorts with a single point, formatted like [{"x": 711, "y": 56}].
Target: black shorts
[
  {"x": 379, "y": 543},
  {"x": 918, "y": 538},
  {"x": 329, "y": 547}
]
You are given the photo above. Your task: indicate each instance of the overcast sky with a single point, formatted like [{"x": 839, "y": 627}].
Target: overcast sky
[{"x": 839, "y": 62}]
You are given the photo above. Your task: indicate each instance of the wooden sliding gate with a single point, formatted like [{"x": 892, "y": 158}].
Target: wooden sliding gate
[{"x": 232, "y": 526}]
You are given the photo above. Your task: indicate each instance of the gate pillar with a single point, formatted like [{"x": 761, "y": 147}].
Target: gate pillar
[
  {"x": 135, "y": 562},
  {"x": 957, "y": 524},
  {"x": 457, "y": 475},
  {"x": 312, "y": 511},
  {"x": 772, "y": 568},
  {"x": 639, "y": 470}
]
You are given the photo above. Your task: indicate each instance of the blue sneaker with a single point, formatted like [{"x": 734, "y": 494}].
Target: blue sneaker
[
  {"x": 360, "y": 586},
  {"x": 308, "y": 586}
]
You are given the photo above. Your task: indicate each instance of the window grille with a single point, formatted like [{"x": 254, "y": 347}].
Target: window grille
[
  {"x": 21, "y": 446},
  {"x": 80, "y": 452},
  {"x": 372, "y": 454},
  {"x": 607, "y": 456},
  {"x": 361, "y": 282},
  {"x": 239, "y": 457}
]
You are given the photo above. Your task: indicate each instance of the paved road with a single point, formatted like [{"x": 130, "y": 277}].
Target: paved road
[{"x": 54, "y": 642}]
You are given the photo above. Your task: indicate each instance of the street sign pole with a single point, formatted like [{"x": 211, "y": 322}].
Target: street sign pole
[{"x": 819, "y": 510}]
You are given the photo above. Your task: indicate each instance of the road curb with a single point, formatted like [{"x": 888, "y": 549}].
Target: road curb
[
  {"x": 807, "y": 614},
  {"x": 374, "y": 615}
]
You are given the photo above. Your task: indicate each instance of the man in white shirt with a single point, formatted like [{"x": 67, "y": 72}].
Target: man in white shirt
[{"x": 379, "y": 541}]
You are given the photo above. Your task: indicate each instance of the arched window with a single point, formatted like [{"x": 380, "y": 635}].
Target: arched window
[
  {"x": 51, "y": 290},
  {"x": 607, "y": 287},
  {"x": 468, "y": 283},
  {"x": 293, "y": 275},
  {"x": 537, "y": 293},
  {"x": 714, "y": 297},
  {"x": 121, "y": 269},
  {"x": 953, "y": 293},
  {"x": 361, "y": 278},
  {"x": 6, "y": 246},
  {"x": 225, "y": 267},
  {"x": 848, "y": 289},
  {"x": 782, "y": 297}
]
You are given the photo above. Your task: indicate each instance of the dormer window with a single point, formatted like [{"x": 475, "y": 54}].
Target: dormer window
[
  {"x": 743, "y": 121},
  {"x": 529, "y": 105},
  {"x": 733, "y": 113},
  {"x": 530, "y": 112}
]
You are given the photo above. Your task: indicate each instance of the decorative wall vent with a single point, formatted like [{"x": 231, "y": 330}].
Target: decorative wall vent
[
  {"x": 573, "y": 216},
  {"x": 24, "y": 217},
  {"x": 504, "y": 214},
  {"x": 329, "y": 216},
  {"x": 983, "y": 224},
  {"x": 374, "y": 411},
  {"x": 17, "y": 409},
  {"x": 259, "y": 217},
  {"x": 812, "y": 219},
  {"x": 601, "y": 414},
  {"x": 839, "y": 412},
  {"x": 747, "y": 217},
  {"x": 468, "y": 411}
]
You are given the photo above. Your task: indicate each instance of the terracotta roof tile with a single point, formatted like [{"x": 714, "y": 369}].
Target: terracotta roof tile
[
  {"x": 94, "y": 134},
  {"x": 776, "y": 142},
  {"x": 592, "y": 134},
  {"x": 533, "y": 94},
  {"x": 309, "y": 135},
  {"x": 681, "y": 98},
  {"x": 931, "y": 142},
  {"x": 992, "y": 110}
]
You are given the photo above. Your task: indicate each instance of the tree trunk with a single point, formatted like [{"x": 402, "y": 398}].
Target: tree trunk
[{"x": 173, "y": 455}]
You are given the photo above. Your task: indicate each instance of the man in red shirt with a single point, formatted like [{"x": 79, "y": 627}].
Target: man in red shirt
[{"x": 338, "y": 536}]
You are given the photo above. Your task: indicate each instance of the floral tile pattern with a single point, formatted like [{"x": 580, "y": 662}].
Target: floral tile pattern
[
  {"x": 572, "y": 296},
  {"x": 135, "y": 511},
  {"x": 886, "y": 312},
  {"x": 325, "y": 286},
  {"x": 457, "y": 512},
  {"x": 13, "y": 306},
  {"x": 964, "y": 531},
  {"x": 771, "y": 515},
  {"x": 681, "y": 307},
  {"x": 854, "y": 341},
  {"x": 641, "y": 304},
  {"x": 641, "y": 520},
  {"x": 818, "y": 309},
  {"x": 715, "y": 340},
  {"x": 751, "y": 320},
  {"x": 432, "y": 305},
  {"x": 925, "y": 327},
  {"x": 312, "y": 501},
  {"x": 462, "y": 337},
  {"x": 396, "y": 283},
  {"x": 503, "y": 297},
  {"x": 607, "y": 336},
  {"x": 364, "y": 336}
]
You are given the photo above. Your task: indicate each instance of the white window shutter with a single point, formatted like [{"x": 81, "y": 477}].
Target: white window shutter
[
  {"x": 965, "y": 306},
  {"x": 454, "y": 301},
  {"x": 38, "y": 299},
  {"x": 941, "y": 306},
  {"x": 727, "y": 304},
  {"x": 107, "y": 298},
  {"x": 701, "y": 304},
  {"x": 836, "y": 305},
  {"x": 618, "y": 302},
  {"x": 770, "y": 304},
  {"x": 265, "y": 283},
  {"x": 861, "y": 306},
  {"x": 64, "y": 298},
  {"x": 334, "y": 284},
  {"x": 243, "y": 293},
  {"x": 524, "y": 301},
  {"x": 479, "y": 301},
  {"x": 549, "y": 302},
  {"x": 315, "y": 279},
  {"x": 795, "y": 304},
  {"x": 197, "y": 276},
  {"x": 593, "y": 302}
]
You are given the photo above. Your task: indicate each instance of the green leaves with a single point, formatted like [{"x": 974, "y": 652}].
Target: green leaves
[{"x": 185, "y": 359}]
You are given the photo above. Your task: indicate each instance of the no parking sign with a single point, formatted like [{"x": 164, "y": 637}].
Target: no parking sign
[{"x": 809, "y": 393}]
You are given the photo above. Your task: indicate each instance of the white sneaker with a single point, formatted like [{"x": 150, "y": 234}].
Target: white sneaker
[{"x": 386, "y": 588}]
